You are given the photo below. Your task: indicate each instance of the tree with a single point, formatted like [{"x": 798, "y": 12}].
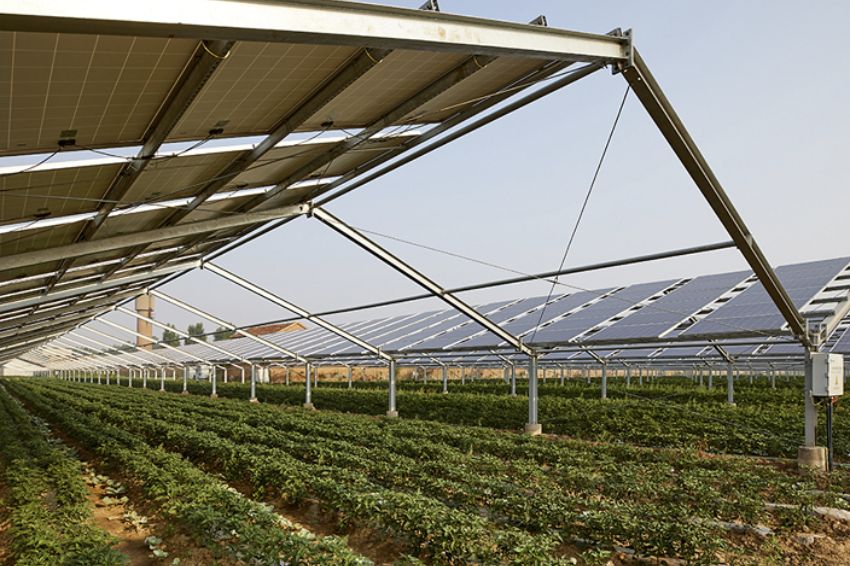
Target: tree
[
  {"x": 170, "y": 337},
  {"x": 196, "y": 330},
  {"x": 222, "y": 333}
]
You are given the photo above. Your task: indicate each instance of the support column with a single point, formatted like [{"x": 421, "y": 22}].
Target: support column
[
  {"x": 711, "y": 378},
  {"x": 130, "y": 379},
  {"x": 162, "y": 380},
  {"x": 810, "y": 455},
  {"x": 445, "y": 378},
  {"x": 145, "y": 378},
  {"x": 604, "y": 381},
  {"x": 99, "y": 375},
  {"x": 532, "y": 427},
  {"x": 392, "y": 412},
  {"x": 349, "y": 377},
  {"x": 730, "y": 383},
  {"x": 513, "y": 380},
  {"x": 185, "y": 381},
  {"x": 640, "y": 376},
  {"x": 253, "y": 397},
  {"x": 308, "y": 389},
  {"x": 214, "y": 393},
  {"x": 628, "y": 376},
  {"x": 462, "y": 376},
  {"x": 563, "y": 377}
]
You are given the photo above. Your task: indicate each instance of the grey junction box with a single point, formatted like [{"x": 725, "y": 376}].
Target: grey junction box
[{"x": 827, "y": 374}]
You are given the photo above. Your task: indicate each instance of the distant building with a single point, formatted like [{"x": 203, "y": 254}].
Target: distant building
[{"x": 274, "y": 328}]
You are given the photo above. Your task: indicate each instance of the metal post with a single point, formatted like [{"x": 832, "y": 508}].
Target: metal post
[
  {"x": 392, "y": 412},
  {"x": 130, "y": 379},
  {"x": 162, "y": 380},
  {"x": 811, "y": 418},
  {"x": 185, "y": 381},
  {"x": 640, "y": 376},
  {"x": 287, "y": 375},
  {"x": 145, "y": 378},
  {"x": 513, "y": 380},
  {"x": 99, "y": 374},
  {"x": 711, "y": 378},
  {"x": 349, "y": 377},
  {"x": 445, "y": 378},
  {"x": 730, "y": 383},
  {"x": 253, "y": 398},
  {"x": 214, "y": 393},
  {"x": 308, "y": 392},
  {"x": 563, "y": 377},
  {"x": 532, "y": 427},
  {"x": 316, "y": 376},
  {"x": 604, "y": 381},
  {"x": 462, "y": 376},
  {"x": 628, "y": 376},
  {"x": 107, "y": 377}
]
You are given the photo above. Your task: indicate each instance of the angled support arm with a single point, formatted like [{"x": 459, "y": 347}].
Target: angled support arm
[
  {"x": 230, "y": 326},
  {"x": 271, "y": 297},
  {"x": 662, "y": 113},
  {"x": 422, "y": 280}
]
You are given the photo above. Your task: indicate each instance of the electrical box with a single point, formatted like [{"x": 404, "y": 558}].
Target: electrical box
[{"x": 827, "y": 375}]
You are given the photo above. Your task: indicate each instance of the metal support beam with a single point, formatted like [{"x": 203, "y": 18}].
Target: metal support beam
[
  {"x": 103, "y": 245},
  {"x": 604, "y": 391},
  {"x": 230, "y": 326},
  {"x": 662, "y": 113},
  {"x": 308, "y": 388},
  {"x": 730, "y": 383},
  {"x": 139, "y": 335},
  {"x": 402, "y": 267},
  {"x": 532, "y": 427},
  {"x": 271, "y": 297},
  {"x": 210, "y": 345},
  {"x": 312, "y": 21},
  {"x": 392, "y": 411}
]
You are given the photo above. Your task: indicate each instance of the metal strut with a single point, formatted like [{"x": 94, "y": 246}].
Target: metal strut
[{"x": 422, "y": 280}]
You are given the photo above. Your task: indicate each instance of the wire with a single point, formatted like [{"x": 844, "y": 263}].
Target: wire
[
  {"x": 34, "y": 166},
  {"x": 583, "y": 206}
]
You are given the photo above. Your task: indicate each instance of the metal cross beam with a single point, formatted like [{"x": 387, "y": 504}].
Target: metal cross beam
[
  {"x": 150, "y": 352},
  {"x": 182, "y": 334},
  {"x": 230, "y": 326},
  {"x": 207, "y": 57},
  {"x": 103, "y": 245},
  {"x": 139, "y": 335},
  {"x": 269, "y": 296},
  {"x": 141, "y": 360},
  {"x": 662, "y": 113},
  {"x": 327, "y": 22},
  {"x": 422, "y": 280},
  {"x": 359, "y": 66}
]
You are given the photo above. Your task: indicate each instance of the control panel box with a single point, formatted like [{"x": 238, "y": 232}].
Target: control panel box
[{"x": 827, "y": 375}]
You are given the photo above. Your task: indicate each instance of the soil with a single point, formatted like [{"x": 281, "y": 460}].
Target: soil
[
  {"x": 131, "y": 538},
  {"x": 367, "y": 542},
  {"x": 4, "y": 526}
]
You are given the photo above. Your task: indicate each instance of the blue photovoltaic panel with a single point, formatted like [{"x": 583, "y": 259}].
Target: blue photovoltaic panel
[
  {"x": 506, "y": 311},
  {"x": 431, "y": 332},
  {"x": 580, "y": 321},
  {"x": 673, "y": 308},
  {"x": 785, "y": 349},
  {"x": 373, "y": 334},
  {"x": 393, "y": 339},
  {"x": 686, "y": 352},
  {"x": 754, "y": 310},
  {"x": 528, "y": 321}
]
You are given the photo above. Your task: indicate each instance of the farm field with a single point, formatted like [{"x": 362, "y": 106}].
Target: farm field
[
  {"x": 265, "y": 483},
  {"x": 672, "y": 412}
]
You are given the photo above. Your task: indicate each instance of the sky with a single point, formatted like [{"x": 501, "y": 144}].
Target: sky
[{"x": 759, "y": 86}]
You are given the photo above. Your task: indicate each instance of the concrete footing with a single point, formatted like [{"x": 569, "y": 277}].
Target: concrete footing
[
  {"x": 253, "y": 400},
  {"x": 392, "y": 414},
  {"x": 813, "y": 457},
  {"x": 533, "y": 429},
  {"x": 213, "y": 396},
  {"x": 184, "y": 393},
  {"x": 309, "y": 406}
]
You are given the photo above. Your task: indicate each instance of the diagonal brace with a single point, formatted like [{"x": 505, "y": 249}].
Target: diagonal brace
[{"x": 422, "y": 280}]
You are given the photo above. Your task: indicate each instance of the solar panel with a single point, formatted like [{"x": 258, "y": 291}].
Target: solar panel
[
  {"x": 581, "y": 321},
  {"x": 842, "y": 346},
  {"x": 527, "y": 321},
  {"x": 753, "y": 309},
  {"x": 671, "y": 309},
  {"x": 402, "y": 326}
]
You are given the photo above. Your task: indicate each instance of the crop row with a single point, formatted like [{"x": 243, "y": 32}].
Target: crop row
[
  {"x": 603, "y": 494},
  {"x": 763, "y": 428},
  {"x": 215, "y": 515},
  {"x": 49, "y": 515}
]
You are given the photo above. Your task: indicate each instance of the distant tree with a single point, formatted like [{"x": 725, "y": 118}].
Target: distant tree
[
  {"x": 222, "y": 333},
  {"x": 170, "y": 337},
  {"x": 196, "y": 330}
]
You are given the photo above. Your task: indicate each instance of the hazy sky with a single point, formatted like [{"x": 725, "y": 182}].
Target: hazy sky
[{"x": 760, "y": 85}]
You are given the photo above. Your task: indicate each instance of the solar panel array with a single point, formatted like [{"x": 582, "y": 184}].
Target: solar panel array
[{"x": 455, "y": 339}]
